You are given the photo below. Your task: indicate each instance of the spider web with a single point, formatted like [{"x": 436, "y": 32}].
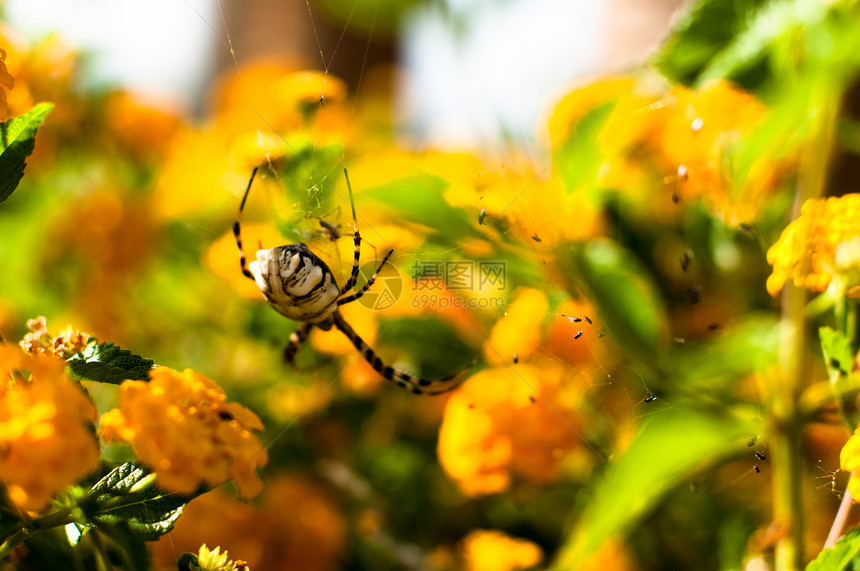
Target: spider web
[{"x": 511, "y": 158}]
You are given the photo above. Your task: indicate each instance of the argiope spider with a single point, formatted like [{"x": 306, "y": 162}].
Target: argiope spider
[{"x": 300, "y": 286}]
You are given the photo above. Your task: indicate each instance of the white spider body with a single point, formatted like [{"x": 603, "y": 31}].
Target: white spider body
[{"x": 296, "y": 283}]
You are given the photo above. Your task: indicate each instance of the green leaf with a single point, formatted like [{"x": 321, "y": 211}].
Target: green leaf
[
  {"x": 580, "y": 157},
  {"x": 704, "y": 29},
  {"x": 623, "y": 291},
  {"x": 188, "y": 562},
  {"x": 108, "y": 363},
  {"x": 669, "y": 448},
  {"x": 128, "y": 496},
  {"x": 844, "y": 555},
  {"x": 17, "y": 141},
  {"x": 749, "y": 347},
  {"x": 767, "y": 26},
  {"x": 837, "y": 350},
  {"x": 419, "y": 199}
]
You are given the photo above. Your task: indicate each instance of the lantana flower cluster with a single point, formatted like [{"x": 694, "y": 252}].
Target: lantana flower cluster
[
  {"x": 500, "y": 425},
  {"x": 47, "y": 441},
  {"x": 40, "y": 342},
  {"x": 820, "y": 248},
  {"x": 181, "y": 425},
  {"x": 669, "y": 146}
]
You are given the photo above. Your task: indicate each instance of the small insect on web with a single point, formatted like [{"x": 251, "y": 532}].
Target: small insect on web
[{"x": 300, "y": 286}]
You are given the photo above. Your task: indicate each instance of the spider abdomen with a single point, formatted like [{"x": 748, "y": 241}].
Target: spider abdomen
[{"x": 296, "y": 283}]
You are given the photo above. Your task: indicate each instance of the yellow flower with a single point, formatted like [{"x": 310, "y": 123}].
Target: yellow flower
[
  {"x": 46, "y": 436},
  {"x": 270, "y": 96},
  {"x": 519, "y": 330},
  {"x": 696, "y": 143},
  {"x": 573, "y": 106},
  {"x": 496, "y": 426},
  {"x": 820, "y": 246},
  {"x": 849, "y": 461},
  {"x": 492, "y": 550},
  {"x": 40, "y": 342},
  {"x": 212, "y": 560},
  {"x": 181, "y": 425}
]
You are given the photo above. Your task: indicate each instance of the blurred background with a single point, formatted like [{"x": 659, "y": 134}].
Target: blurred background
[
  {"x": 472, "y": 72},
  {"x": 629, "y": 184}
]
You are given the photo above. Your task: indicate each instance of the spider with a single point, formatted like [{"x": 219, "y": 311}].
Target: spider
[{"x": 300, "y": 286}]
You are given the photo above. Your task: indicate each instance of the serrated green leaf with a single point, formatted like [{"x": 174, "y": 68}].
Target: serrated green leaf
[
  {"x": 845, "y": 555},
  {"x": 108, "y": 363},
  {"x": 622, "y": 290},
  {"x": 128, "y": 496},
  {"x": 17, "y": 141},
  {"x": 668, "y": 449},
  {"x": 120, "y": 479}
]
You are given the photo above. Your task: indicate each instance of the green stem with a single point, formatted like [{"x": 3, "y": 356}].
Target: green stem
[
  {"x": 99, "y": 543},
  {"x": 12, "y": 542},
  {"x": 26, "y": 530},
  {"x": 787, "y": 418},
  {"x": 787, "y": 498}
]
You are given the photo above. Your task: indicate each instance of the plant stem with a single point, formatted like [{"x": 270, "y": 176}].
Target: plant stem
[
  {"x": 12, "y": 542},
  {"x": 787, "y": 499},
  {"x": 26, "y": 530},
  {"x": 788, "y": 382}
]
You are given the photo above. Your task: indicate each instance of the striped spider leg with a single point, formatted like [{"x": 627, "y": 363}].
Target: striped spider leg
[{"x": 300, "y": 286}]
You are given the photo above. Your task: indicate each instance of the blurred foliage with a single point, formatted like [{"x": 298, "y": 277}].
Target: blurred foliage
[{"x": 643, "y": 398}]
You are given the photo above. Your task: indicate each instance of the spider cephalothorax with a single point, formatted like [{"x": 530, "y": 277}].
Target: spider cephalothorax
[{"x": 300, "y": 286}]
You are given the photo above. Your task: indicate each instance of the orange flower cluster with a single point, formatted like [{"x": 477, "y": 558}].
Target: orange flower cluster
[
  {"x": 296, "y": 526},
  {"x": 492, "y": 550},
  {"x": 498, "y": 425},
  {"x": 515, "y": 420},
  {"x": 39, "y": 342},
  {"x": 821, "y": 247},
  {"x": 46, "y": 437},
  {"x": 181, "y": 425},
  {"x": 683, "y": 141},
  {"x": 7, "y": 81}
]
